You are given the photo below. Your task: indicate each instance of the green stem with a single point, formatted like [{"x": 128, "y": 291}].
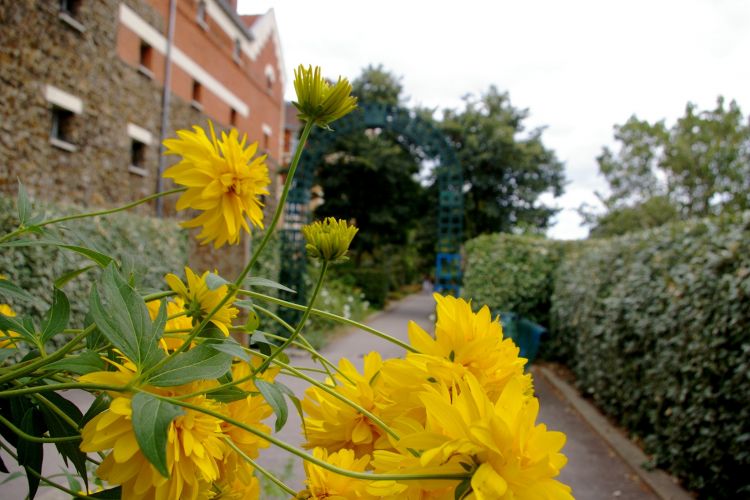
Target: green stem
[
  {"x": 158, "y": 295},
  {"x": 301, "y": 323},
  {"x": 331, "y": 316},
  {"x": 22, "y": 230},
  {"x": 275, "y": 480},
  {"x": 35, "y": 439},
  {"x": 304, "y": 456},
  {"x": 60, "y": 387},
  {"x": 59, "y": 354},
  {"x": 54, "y": 408}
]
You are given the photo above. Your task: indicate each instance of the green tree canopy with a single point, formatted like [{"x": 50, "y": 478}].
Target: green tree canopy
[
  {"x": 700, "y": 166},
  {"x": 505, "y": 167}
]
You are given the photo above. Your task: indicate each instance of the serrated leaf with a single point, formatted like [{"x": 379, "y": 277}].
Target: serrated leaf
[
  {"x": 23, "y": 204},
  {"x": 81, "y": 364},
  {"x": 257, "y": 281},
  {"x": 60, "y": 428},
  {"x": 275, "y": 399},
  {"x": 99, "y": 258},
  {"x": 151, "y": 419},
  {"x": 214, "y": 281},
  {"x": 65, "y": 278},
  {"x": 230, "y": 347},
  {"x": 295, "y": 401},
  {"x": 202, "y": 362},
  {"x": 57, "y": 317},
  {"x": 11, "y": 291},
  {"x": 122, "y": 317},
  {"x": 30, "y": 455}
]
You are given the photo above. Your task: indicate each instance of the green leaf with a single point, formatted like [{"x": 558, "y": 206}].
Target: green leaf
[
  {"x": 231, "y": 347},
  {"x": 100, "y": 404},
  {"x": 24, "y": 205},
  {"x": 462, "y": 489},
  {"x": 202, "y": 362},
  {"x": 60, "y": 428},
  {"x": 121, "y": 315},
  {"x": 65, "y": 278},
  {"x": 57, "y": 317},
  {"x": 295, "y": 401},
  {"x": 10, "y": 324},
  {"x": 11, "y": 291},
  {"x": 110, "y": 494},
  {"x": 151, "y": 419},
  {"x": 98, "y": 257},
  {"x": 275, "y": 398},
  {"x": 266, "y": 283},
  {"x": 228, "y": 394},
  {"x": 81, "y": 364},
  {"x": 30, "y": 455},
  {"x": 214, "y": 281}
]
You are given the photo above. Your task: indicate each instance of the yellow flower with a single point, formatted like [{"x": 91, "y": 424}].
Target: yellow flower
[
  {"x": 224, "y": 181},
  {"x": 7, "y": 338},
  {"x": 333, "y": 424},
  {"x": 199, "y": 299},
  {"x": 181, "y": 321},
  {"x": 509, "y": 455},
  {"x": 194, "y": 443},
  {"x": 323, "y": 484},
  {"x": 319, "y": 102},
  {"x": 466, "y": 342},
  {"x": 328, "y": 240}
]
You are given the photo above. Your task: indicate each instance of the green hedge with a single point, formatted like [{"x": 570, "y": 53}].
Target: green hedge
[
  {"x": 657, "y": 329},
  {"x": 512, "y": 273}
]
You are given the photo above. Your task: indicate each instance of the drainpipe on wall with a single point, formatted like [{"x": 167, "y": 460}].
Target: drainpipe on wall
[{"x": 166, "y": 94}]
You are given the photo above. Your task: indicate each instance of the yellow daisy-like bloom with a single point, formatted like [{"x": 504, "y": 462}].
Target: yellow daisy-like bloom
[
  {"x": 237, "y": 482},
  {"x": 199, "y": 300},
  {"x": 7, "y": 338},
  {"x": 194, "y": 443},
  {"x": 323, "y": 484},
  {"x": 181, "y": 321},
  {"x": 318, "y": 101},
  {"x": 466, "y": 342},
  {"x": 224, "y": 181},
  {"x": 509, "y": 455},
  {"x": 333, "y": 424},
  {"x": 329, "y": 240}
]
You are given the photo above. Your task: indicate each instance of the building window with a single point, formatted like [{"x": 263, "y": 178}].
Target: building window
[
  {"x": 137, "y": 158},
  {"x": 69, "y": 10},
  {"x": 62, "y": 126},
  {"x": 266, "y": 141},
  {"x": 197, "y": 96},
  {"x": 146, "y": 60},
  {"x": 200, "y": 16},
  {"x": 270, "y": 78},
  {"x": 233, "y": 117},
  {"x": 237, "y": 52}
]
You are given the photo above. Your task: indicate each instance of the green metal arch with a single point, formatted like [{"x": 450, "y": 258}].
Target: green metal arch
[{"x": 413, "y": 131}]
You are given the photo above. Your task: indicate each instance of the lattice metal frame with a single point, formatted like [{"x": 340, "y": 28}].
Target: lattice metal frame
[{"x": 415, "y": 132}]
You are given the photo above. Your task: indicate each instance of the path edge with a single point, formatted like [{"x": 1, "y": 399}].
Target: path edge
[{"x": 664, "y": 485}]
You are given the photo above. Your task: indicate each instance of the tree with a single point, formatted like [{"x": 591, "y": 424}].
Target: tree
[
  {"x": 505, "y": 169},
  {"x": 698, "y": 167}
]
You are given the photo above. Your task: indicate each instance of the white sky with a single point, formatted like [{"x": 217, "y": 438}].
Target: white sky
[{"x": 579, "y": 66}]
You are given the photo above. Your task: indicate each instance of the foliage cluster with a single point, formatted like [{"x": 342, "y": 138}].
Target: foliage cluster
[
  {"x": 513, "y": 273},
  {"x": 159, "y": 242},
  {"x": 656, "y": 326}
]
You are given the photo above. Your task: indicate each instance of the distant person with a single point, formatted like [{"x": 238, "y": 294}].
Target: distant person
[{"x": 427, "y": 285}]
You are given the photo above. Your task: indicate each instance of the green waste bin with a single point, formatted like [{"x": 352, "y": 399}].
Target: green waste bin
[{"x": 525, "y": 333}]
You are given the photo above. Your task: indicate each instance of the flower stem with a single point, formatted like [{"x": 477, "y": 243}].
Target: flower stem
[
  {"x": 301, "y": 323},
  {"x": 331, "y": 316},
  {"x": 35, "y": 439}
]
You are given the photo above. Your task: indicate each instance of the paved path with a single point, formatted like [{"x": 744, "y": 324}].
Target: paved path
[{"x": 594, "y": 471}]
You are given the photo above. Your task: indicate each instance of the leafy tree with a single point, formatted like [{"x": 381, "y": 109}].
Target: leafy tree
[
  {"x": 698, "y": 167},
  {"x": 505, "y": 168}
]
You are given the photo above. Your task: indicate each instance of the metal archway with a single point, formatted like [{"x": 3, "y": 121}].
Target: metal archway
[{"x": 413, "y": 131}]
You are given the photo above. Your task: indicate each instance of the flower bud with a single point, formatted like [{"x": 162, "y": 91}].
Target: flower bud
[
  {"x": 329, "y": 240},
  {"x": 318, "y": 101}
]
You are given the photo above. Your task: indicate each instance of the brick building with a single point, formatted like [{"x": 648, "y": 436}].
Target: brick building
[{"x": 81, "y": 90}]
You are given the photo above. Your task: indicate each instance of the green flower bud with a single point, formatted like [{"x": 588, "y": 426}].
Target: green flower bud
[
  {"x": 318, "y": 101},
  {"x": 328, "y": 240}
]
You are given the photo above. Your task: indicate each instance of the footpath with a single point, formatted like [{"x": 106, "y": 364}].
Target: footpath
[{"x": 596, "y": 469}]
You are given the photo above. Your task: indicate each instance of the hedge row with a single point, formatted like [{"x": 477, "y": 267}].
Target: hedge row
[{"x": 658, "y": 325}]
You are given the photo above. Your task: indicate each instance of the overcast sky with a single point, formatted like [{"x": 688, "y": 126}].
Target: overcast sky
[{"x": 579, "y": 66}]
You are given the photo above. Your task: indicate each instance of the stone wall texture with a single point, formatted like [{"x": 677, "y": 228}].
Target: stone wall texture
[{"x": 39, "y": 48}]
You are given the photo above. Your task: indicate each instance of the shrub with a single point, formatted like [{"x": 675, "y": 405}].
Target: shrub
[
  {"x": 512, "y": 273},
  {"x": 658, "y": 332}
]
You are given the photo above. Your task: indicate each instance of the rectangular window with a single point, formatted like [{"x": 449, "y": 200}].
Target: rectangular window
[
  {"x": 69, "y": 10},
  {"x": 197, "y": 96},
  {"x": 200, "y": 16},
  {"x": 146, "y": 60},
  {"x": 61, "y": 135},
  {"x": 237, "y": 51},
  {"x": 233, "y": 117},
  {"x": 137, "y": 158}
]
